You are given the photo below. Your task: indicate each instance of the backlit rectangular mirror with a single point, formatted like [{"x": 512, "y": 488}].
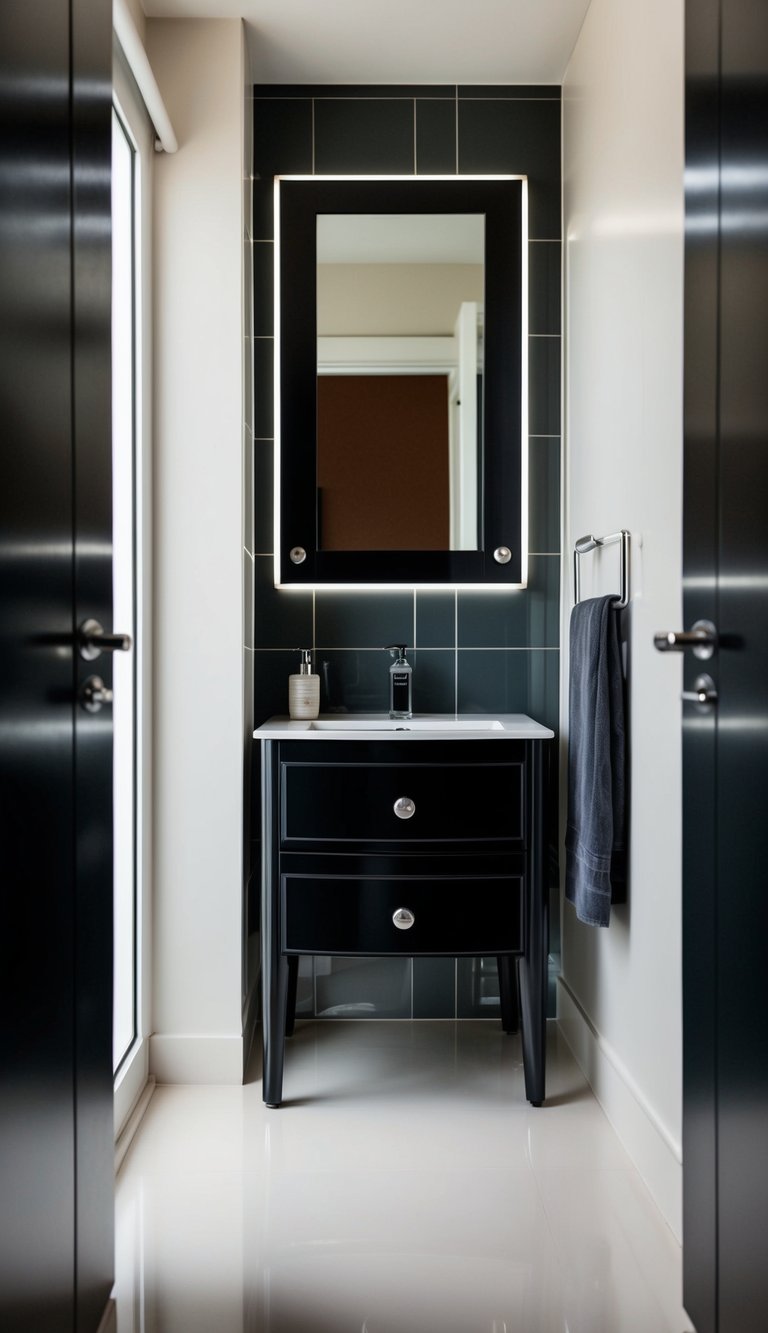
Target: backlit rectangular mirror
[
  {"x": 400, "y": 380},
  {"x": 399, "y": 347}
]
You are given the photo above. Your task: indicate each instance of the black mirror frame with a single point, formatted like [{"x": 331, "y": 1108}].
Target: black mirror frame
[{"x": 503, "y": 524}]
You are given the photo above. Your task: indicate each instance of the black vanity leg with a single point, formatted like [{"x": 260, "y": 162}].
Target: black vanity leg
[
  {"x": 533, "y": 995},
  {"x": 508, "y": 993},
  {"x": 274, "y": 965},
  {"x": 533, "y": 966},
  {"x": 275, "y": 1015},
  {"x": 293, "y": 984}
]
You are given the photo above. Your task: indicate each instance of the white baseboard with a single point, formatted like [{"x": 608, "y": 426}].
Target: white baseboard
[
  {"x": 654, "y": 1151},
  {"x": 250, "y": 1018},
  {"x": 183, "y": 1059}
]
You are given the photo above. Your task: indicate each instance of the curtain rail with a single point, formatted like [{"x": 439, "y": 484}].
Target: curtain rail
[{"x": 138, "y": 63}]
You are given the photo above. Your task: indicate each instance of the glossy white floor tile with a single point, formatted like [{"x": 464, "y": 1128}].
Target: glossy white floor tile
[{"x": 405, "y": 1186}]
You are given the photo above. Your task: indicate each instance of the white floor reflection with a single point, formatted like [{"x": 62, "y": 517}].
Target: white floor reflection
[{"x": 404, "y": 1187}]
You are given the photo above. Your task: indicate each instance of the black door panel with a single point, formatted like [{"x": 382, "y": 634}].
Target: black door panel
[
  {"x": 56, "y": 1258},
  {"x": 725, "y": 752}
]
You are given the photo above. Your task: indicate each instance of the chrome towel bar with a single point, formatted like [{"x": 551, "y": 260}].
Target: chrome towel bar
[{"x": 590, "y": 543}]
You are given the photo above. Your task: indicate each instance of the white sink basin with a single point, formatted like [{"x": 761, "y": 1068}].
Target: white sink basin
[
  {"x": 446, "y": 723},
  {"x": 434, "y": 726}
]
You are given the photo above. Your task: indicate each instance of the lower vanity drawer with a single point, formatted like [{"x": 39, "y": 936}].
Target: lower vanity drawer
[{"x": 357, "y": 916}]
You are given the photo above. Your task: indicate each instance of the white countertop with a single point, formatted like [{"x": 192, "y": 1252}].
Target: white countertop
[{"x": 422, "y": 726}]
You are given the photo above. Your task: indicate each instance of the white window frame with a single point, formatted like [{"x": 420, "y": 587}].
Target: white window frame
[{"x": 132, "y": 1074}]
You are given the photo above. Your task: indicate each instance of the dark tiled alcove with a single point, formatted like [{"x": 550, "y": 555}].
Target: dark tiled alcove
[{"x": 470, "y": 650}]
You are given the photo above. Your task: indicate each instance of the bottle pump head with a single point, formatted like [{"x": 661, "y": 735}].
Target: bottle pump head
[
  {"x": 397, "y": 650},
  {"x": 306, "y": 662}
]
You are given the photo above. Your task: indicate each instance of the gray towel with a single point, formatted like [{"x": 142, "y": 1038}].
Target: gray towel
[{"x": 594, "y": 840}]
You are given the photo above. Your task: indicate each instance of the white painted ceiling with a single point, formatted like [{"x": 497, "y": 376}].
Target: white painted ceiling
[
  {"x": 398, "y": 41},
  {"x": 400, "y": 238}
]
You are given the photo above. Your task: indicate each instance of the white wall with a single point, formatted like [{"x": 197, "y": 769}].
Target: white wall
[
  {"x": 199, "y": 636},
  {"x": 620, "y": 997}
]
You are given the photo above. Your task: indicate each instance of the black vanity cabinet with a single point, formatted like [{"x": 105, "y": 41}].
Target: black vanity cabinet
[{"x": 408, "y": 847}]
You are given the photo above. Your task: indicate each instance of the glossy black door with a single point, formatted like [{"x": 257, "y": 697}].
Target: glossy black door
[
  {"x": 37, "y": 674},
  {"x": 55, "y": 764},
  {"x": 742, "y": 741},
  {"x": 725, "y": 1145},
  {"x": 92, "y": 449}
]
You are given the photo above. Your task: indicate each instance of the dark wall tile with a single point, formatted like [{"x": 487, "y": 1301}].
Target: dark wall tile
[
  {"x": 544, "y": 286},
  {"x": 544, "y": 494},
  {"x": 364, "y": 988},
  {"x": 281, "y": 619},
  {"x": 435, "y": 619},
  {"x": 270, "y": 684},
  {"x": 512, "y": 91},
  {"x": 492, "y": 680},
  {"x": 263, "y": 387},
  {"x": 543, "y": 688},
  {"x": 282, "y": 145},
  {"x": 544, "y": 386},
  {"x": 364, "y": 136},
  {"x": 435, "y": 137},
  {"x": 434, "y": 680},
  {"x": 263, "y": 259},
  {"x": 519, "y": 137},
  {"x": 434, "y": 987},
  {"x": 263, "y": 495},
  {"x": 526, "y": 617},
  {"x": 354, "y": 91},
  {"x": 363, "y": 619},
  {"x": 305, "y": 990},
  {"x": 353, "y": 681},
  {"x": 477, "y": 988}
]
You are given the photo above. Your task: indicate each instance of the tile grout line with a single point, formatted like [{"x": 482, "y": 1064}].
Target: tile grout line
[
  {"x": 313, "y": 136},
  {"x": 456, "y": 650},
  {"x": 415, "y": 150},
  {"x": 456, "y": 119},
  {"x": 470, "y": 648}
]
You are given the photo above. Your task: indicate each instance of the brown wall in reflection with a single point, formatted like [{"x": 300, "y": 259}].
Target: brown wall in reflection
[{"x": 383, "y": 462}]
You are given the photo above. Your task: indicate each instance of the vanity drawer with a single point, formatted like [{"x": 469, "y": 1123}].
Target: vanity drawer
[
  {"x": 401, "y": 803},
  {"x": 354, "y": 915}
]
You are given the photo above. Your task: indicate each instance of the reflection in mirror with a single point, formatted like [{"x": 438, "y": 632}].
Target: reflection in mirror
[{"x": 400, "y": 302}]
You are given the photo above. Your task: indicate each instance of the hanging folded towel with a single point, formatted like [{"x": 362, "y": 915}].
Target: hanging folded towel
[{"x": 596, "y": 762}]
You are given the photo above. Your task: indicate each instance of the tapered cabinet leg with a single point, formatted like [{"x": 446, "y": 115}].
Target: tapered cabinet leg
[
  {"x": 275, "y": 1015},
  {"x": 533, "y": 995},
  {"x": 508, "y": 994},
  {"x": 274, "y": 965},
  {"x": 533, "y": 966}
]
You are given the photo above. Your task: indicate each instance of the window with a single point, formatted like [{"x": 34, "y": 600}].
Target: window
[
  {"x": 132, "y": 159},
  {"x": 124, "y": 414}
]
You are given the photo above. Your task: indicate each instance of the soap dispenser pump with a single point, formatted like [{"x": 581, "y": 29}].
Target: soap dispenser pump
[
  {"x": 400, "y": 682},
  {"x": 304, "y": 689}
]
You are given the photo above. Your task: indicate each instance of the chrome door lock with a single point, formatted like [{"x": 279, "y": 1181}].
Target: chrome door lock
[
  {"x": 704, "y": 692},
  {"x": 94, "y": 694}
]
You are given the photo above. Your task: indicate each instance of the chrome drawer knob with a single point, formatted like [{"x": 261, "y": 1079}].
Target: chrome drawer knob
[
  {"x": 404, "y": 807},
  {"x": 403, "y": 918}
]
